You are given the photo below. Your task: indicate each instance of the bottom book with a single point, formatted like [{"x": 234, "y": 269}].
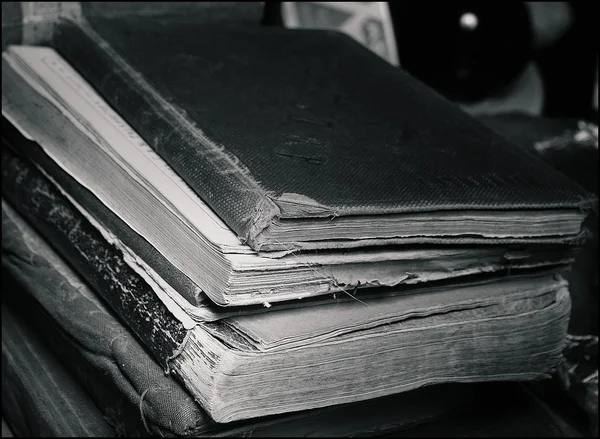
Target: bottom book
[
  {"x": 243, "y": 366},
  {"x": 134, "y": 394},
  {"x": 48, "y": 311},
  {"x": 43, "y": 395}
]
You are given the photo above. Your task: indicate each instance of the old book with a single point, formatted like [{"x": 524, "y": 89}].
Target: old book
[
  {"x": 52, "y": 309},
  {"x": 246, "y": 366},
  {"x": 52, "y": 116},
  {"x": 306, "y": 140}
]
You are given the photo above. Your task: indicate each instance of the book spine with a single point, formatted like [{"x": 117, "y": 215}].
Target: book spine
[
  {"x": 167, "y": 271},
  {"x": 96, "y": 260},
  {"x": 204, "y": 165}
]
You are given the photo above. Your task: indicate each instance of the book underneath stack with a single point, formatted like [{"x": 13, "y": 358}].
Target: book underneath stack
[
  {"x": 286, "y": 223},
  {"x": 70, "y": 368}
]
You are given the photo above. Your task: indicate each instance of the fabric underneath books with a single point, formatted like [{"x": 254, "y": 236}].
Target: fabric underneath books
[{"x": 39, "y": 397}]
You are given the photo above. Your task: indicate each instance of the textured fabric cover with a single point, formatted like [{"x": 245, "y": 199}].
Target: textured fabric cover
[{"x": 39, "y": 397}]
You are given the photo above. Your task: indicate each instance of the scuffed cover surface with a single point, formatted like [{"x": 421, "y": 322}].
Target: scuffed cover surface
[
  {"x": 96, "y": 260},
  {"x": 254, "y": 121},
  {"x": 122, "y": 378}
]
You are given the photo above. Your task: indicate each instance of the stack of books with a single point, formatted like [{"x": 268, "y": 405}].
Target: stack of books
[{"x": 279, "y": 219}]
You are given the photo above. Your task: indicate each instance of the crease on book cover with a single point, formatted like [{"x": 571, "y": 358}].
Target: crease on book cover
[{"x": 270, "y": 207}]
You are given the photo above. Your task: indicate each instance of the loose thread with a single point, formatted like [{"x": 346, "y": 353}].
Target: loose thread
[
  {"x": 142, "y": 411},
  {"x": 323, "y": 276}
]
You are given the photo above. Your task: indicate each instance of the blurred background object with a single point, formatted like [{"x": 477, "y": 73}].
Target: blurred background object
[
  {"x": 368, "y": 23},
  {"x": 538, "y": 58},
  {"x": 32, "y": 22},
  {"x": 578, "y": 374},
  {"x": 466, "y": 50},
  {"x": 595, "y": 96}
]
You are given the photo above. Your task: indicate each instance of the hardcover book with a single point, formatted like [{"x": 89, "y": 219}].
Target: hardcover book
[
  {"x": 304, "y": 139},
  {"x": 49, "y": 313}
]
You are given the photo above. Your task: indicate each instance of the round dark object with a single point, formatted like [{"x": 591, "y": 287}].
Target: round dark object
[{"x": 465, "y": 50}]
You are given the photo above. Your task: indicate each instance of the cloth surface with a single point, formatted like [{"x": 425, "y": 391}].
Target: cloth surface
[{"x": 39, "y": 397}]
